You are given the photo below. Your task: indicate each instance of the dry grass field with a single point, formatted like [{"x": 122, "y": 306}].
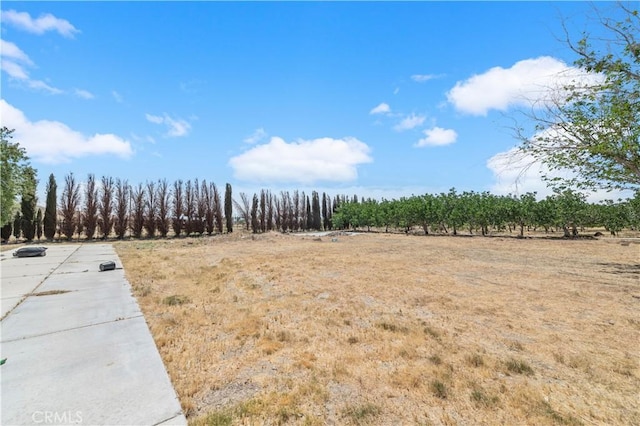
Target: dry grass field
[{"x": 391, "y": 329}]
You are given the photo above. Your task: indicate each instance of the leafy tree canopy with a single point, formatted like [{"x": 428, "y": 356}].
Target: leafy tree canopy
[
  {"x": 592, "y": 127},
  {"x": 15, "y": 171}
]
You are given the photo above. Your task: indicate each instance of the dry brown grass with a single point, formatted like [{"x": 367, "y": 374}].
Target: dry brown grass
[{"x": 394, "y": 329}]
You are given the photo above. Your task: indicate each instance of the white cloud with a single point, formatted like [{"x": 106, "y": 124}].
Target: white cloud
[
  {"x": 518, "y": 173},
  {"x": 303, "y": 161},
  {"x": 527, "y": 82},
  {"x": 40, "y": 25},
  {"x": 410, "y": 122},
  {"x": 84, "y": 94},
  {"x": 13, "y": 69},
  {"x": 117, "y": 96},
  {"x": 396, "y": 90},
  {"x": 54, "y": 142},
  {"x": 256, "y": 136},
  {"x": 421, "y": 78},
  {"x": 13, "y": 61},
  {"x": 437, "y": 136},
  {"x": 41, "y": 85},
  {"x": 383, "y": 108},
  {"x": 10, "y": 50},
  {"x": 175, "y": 127}
]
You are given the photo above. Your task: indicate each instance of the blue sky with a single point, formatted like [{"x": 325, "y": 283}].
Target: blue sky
[{"x": 380, "y": 99}]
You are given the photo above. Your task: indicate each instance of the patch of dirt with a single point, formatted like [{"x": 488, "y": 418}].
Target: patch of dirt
[{"x": 394, "y": 329}]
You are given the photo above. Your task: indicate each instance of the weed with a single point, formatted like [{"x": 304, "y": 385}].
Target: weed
[
  {"x": 176, "y": 300},
  {"x": 519, "y": 367},
  {"x": 439, "y": 389},
  {"x": 557, "y": 417},
  {"x": 515, "y": 346},
  {"x": 480, "y": 397},
  {"x": 217, "y": 418},
  {"x": 435, "y": 359},
  {"x": 392, "y": 327},
  {"x": 475, "y": 360},
  {"x": 361, "y": 414},
  {"x": 432, "y": 332}
]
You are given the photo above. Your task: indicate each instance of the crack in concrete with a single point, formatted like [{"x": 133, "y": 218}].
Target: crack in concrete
[{"x": 73, "y": 328}]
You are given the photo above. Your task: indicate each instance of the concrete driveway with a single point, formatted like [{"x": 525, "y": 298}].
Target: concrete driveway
[{"x": 77, "y": 346}]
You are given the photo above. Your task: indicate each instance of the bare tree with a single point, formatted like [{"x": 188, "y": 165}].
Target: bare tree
[
  {"x": 105, "y": 208},
  {"x": 151, "y": 210},
  {"x": 122, "y": 208},
  {"x": 207, "y": 199},
  {"x": 244, "y": 209},
  {"x": 217, "y": 207},
  {"x": 69, "y": 203},
  {"x": 294, "y": 219},
  {"x": 163, "y": 195},
  {"x": 278, "y": 213},
  {"x": 269, "y": 211},
  {"x": 200, "y": 208},
  {"x": 178, "y": 208},
  {"x": 90, "y": 207},
  {"x": 189, "y": 207},
  {"x": 138, "y": 211},
  {"x": 263, "y": 211}
]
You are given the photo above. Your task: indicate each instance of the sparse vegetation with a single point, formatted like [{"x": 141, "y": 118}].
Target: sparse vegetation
[
  {"x": 175, "y": 300},
  {"x": 519, "y": 367},
  {"x": 283, "y": 330}
]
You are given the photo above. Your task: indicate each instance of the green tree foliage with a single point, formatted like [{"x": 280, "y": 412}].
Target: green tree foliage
[
  {"x": 28, "y": 204},
  {"x": 5, "y": 232},
  {"x": 255, "y": 220},
  {"x": 39, "y": 224},
  {"x": 69, "y": 203},
  {"x": 17, "y": 225},
  {"x": 593, "y": 129},
  {"x": 485, "y": 213},
  {"x": 51, "y": 209},
  {"x": 228, "y": 207},
  {"x": 14, "y": 168}
]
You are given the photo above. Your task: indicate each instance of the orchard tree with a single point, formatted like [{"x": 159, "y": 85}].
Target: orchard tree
[
  {"x": 138, "y": 211},
  {"x": 593, "y": 128}
]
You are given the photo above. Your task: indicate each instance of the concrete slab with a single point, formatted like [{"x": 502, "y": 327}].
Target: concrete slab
[
  {"x": 7, "y": 304},
  {"x": 84, "y": 356},
  {"x": 109, "y": 374}
]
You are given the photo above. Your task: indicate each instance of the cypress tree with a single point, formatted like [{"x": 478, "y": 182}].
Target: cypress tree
[
  {"x": 51, "y": 209},
  {"x": 5, "y": 232},
  {"x": 17, "y": 228},
  {"x": 228, "y": 207},
  {"x": 39, "y": 224}
]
